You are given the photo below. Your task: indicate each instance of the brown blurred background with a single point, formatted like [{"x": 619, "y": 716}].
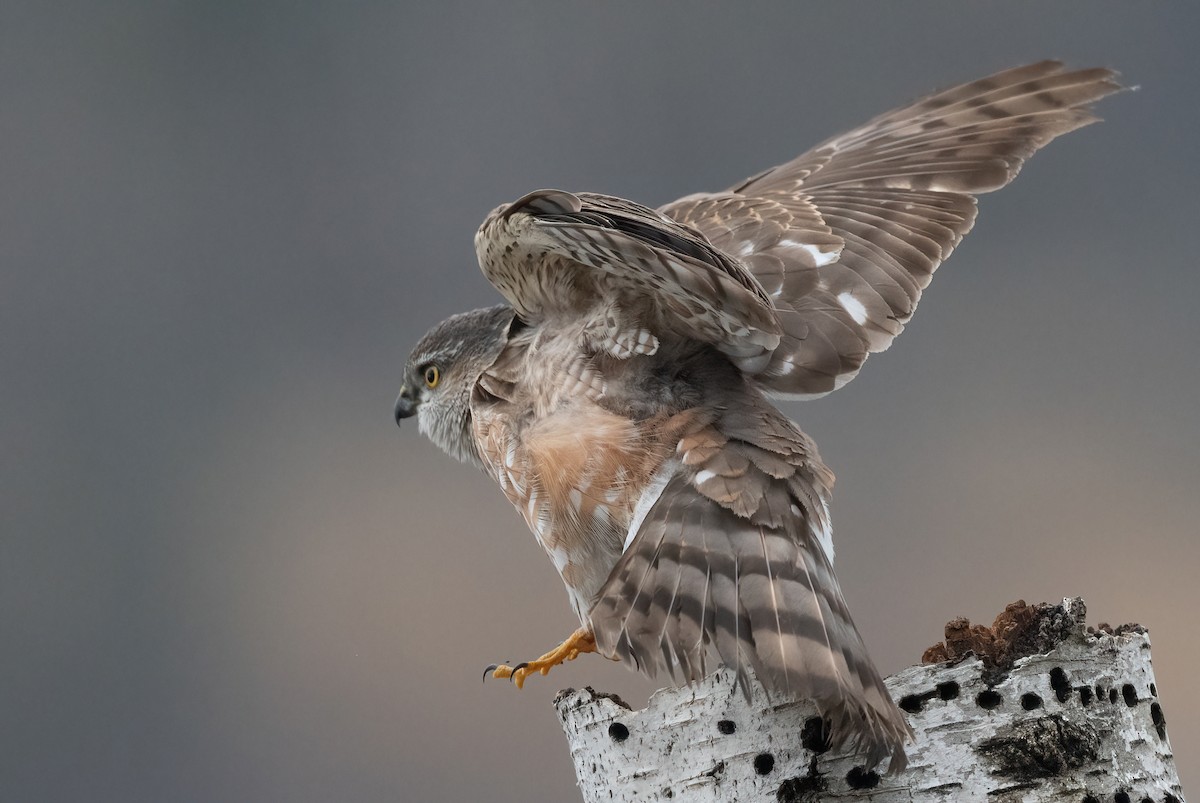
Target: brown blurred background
[{"x": 225, "y": 575}]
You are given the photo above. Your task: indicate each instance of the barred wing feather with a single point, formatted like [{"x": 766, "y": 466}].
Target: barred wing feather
[{"x": 848, "y": 234}]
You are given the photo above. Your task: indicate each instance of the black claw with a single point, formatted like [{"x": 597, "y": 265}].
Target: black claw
[
  {"x": 490, "y": 668},
  {"x": 517, "y": 668}
]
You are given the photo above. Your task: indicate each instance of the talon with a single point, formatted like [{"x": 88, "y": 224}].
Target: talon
[{"x": 577, "y": 644}]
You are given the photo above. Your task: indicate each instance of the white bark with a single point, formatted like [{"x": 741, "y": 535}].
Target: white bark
[{"x": 1080, "y": 724}]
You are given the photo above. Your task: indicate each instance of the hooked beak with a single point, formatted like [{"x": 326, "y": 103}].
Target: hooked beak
[{"x": 406, "y": 405}]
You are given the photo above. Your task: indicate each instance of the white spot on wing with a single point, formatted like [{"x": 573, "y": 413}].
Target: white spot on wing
[
  {"x": 823, "y": 530},
  {"x": 531, "y": 508},
  {"x": 560, "y": 557},
  {"x": 819, "y": 257},
  {"x": 649, "y": 496},
  {"x": 853, "y": 306}
]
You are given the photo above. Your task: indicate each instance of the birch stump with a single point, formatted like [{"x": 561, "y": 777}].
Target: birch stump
[{"x": 1035, "y": 708}]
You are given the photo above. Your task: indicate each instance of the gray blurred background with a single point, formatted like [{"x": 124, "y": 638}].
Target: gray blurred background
[{"x": 226, "y": 575}]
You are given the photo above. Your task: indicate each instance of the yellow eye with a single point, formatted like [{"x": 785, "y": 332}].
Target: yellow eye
[{"x": 432, "y": 376}]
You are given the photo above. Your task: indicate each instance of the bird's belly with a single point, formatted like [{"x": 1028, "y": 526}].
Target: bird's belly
[{"x": 576, "y": 476}]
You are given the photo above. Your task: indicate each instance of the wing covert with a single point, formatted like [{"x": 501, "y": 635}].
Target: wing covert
[{"x": 637, "y": 275}]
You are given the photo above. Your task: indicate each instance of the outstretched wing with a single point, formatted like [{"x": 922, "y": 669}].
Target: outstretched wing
[
  {"x": 633, "y": 274},
  {"x": 846, "y": 236},
  {"x": 731, "y": 560}
]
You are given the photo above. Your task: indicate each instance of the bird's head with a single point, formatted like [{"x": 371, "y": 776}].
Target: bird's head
[{"x": 442, "y": 371}]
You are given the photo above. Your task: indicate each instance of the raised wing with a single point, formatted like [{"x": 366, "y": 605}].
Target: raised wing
[
  {"x": 633, "y": 275},
  {"x": 732, "y": 561},
  {"x": 846, "y": 236}
]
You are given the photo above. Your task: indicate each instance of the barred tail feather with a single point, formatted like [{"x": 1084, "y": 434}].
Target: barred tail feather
[{"x": 701, "y": 582}]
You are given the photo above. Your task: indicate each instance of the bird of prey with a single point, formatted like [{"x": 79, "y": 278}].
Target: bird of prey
[{"x": 621, "y": 398}]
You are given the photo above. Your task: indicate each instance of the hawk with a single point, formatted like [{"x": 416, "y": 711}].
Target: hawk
[{"x": 621, "y": 399}]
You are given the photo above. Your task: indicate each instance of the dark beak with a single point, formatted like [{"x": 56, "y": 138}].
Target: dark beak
[{"x": 406, "y": 405}]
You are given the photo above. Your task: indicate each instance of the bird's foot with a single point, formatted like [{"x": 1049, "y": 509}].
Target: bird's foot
[{"x": 577, "y": 644}]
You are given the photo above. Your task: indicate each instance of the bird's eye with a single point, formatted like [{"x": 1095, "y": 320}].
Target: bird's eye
[{"x": 432, "y": 376}]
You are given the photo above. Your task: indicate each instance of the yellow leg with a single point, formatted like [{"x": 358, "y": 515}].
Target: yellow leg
[{"x": 577, "y": 643}]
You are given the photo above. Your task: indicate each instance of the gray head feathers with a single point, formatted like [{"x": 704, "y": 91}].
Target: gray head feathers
[{"x": 442, "y": 371}]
